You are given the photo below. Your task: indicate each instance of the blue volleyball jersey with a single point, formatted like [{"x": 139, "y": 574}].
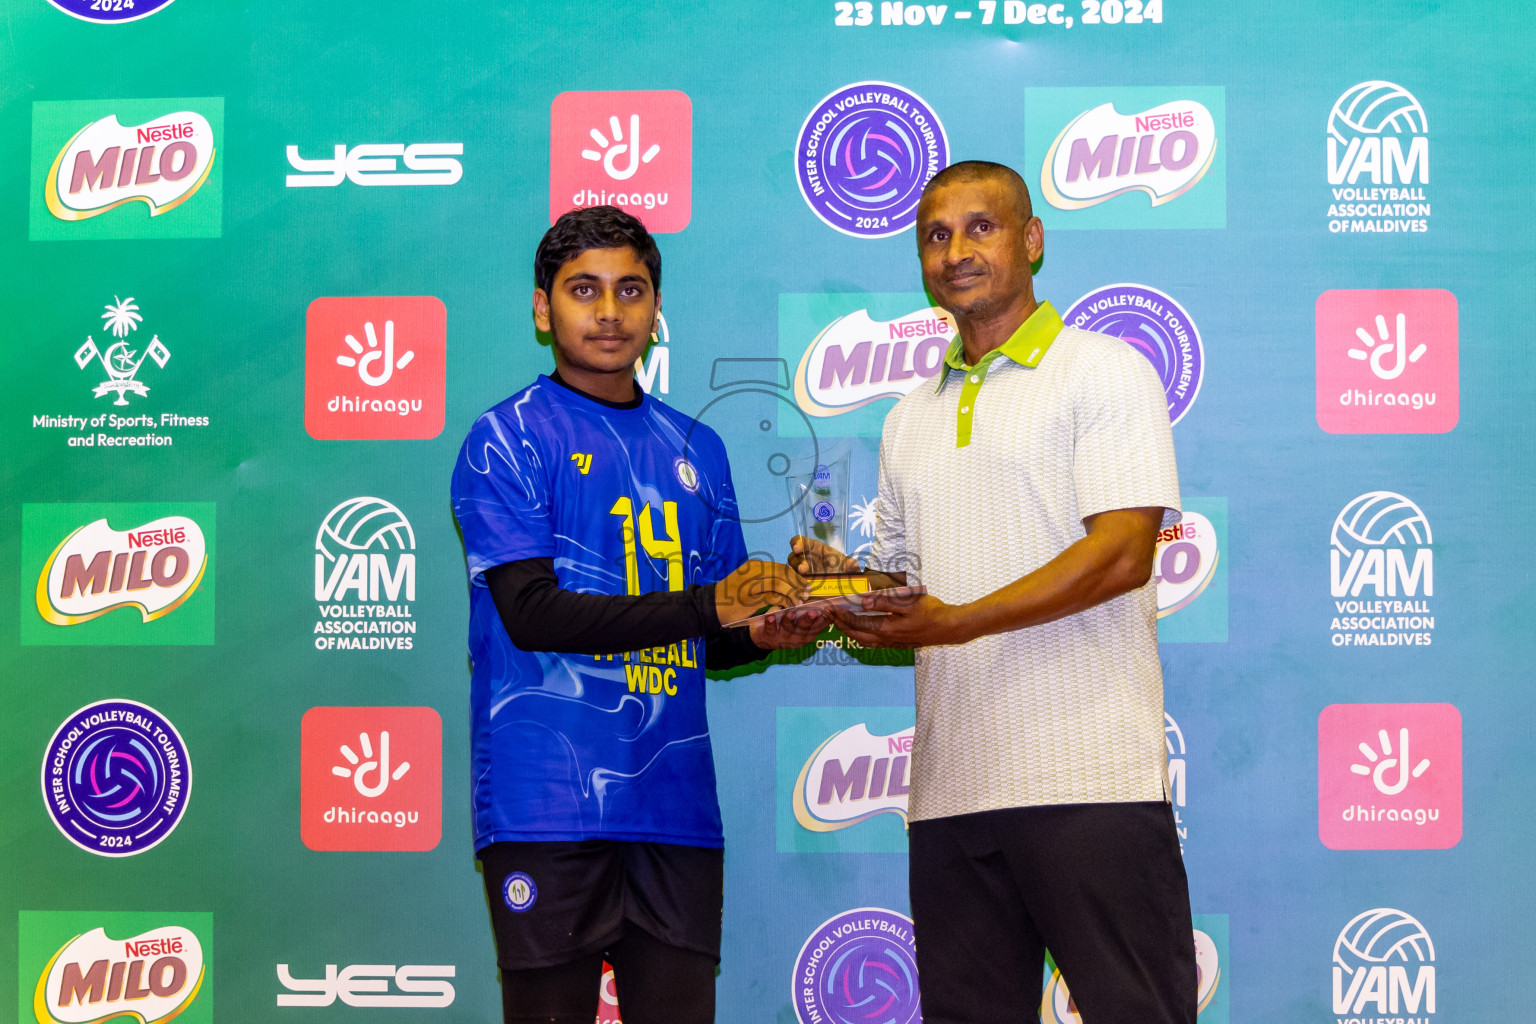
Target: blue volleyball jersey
[{"x": 626, "y": 501}]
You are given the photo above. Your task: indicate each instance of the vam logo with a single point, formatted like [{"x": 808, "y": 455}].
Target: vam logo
[
  {"x": 416, "y": 986},
  {"x": 375, "y": 368},
  {"x": 1381, "y": 569},
  {"x": 1384, "y": 964},
  {"x": 146, "y": 572},
  {"x": 1178, "y": 776},
  {"x": 1378, "y": 160},
  {"x": 633, "y": 150},
  {"x": 370, "y": 778},
  {"x": 365, "y": 578},
  {"x": 426, "y": 163},
  {"x": 1387, "y": 361},
  {"x": 1165, "y": 146},
  {"x": 1389, "y": 776},
  {"x": 140, "y": 158},
  {"x": 84, "y": 967},
  {"x": 653, "y": 370}
]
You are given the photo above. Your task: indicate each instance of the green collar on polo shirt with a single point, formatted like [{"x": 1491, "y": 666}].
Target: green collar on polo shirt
[{"x": 1026, "y": 346}]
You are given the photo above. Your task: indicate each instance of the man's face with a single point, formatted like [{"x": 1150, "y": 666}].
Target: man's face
[
  {"x": 601, "y": 310},
  {"x": 976, "y": 246}
]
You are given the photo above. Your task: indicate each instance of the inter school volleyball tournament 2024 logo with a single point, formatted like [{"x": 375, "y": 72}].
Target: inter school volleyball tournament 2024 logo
[
  {"x": 1129, "y": 157},
  {"x": 365, "y": 578},
  {"x": 126, "y": 169},
  {"x": 370, "y": 778},
  {"x": 111, "y": 12},
  {"x": 131, "y": 573},
  {"x": 1384, "y": 969},
  {"x": 857, "y": 967},
  {"x": 1152, "y": 323},
  {"x": 864, "y": 154},
  {"x": 1210, "y": 936},
  {"x": 1389, "y": 776},
  {"x": 1378, "y": 161},
  {"x": 84, "y": 967},
  {"x": 1387, "y": 361},
  {"x": 375, "y": 368},
  {"x": 630, "y": 149},
  {"x": 116, "y": 777},
  {"x": 1381, "y": 572}
]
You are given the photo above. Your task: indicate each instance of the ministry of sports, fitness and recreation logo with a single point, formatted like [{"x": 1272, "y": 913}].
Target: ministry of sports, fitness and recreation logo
[
  {"x": 859, "y": 966},
  {"x": 116, "y": 367},
  {"x": 1381, "y": 570},
  {"x": 1153, "y": 324},
  {"x": 375, "y": 368},
  {"x": 365, "y": 578},
  {"x": 116, "y": 777},
  {"x": 1387, "y": 361},
  {"x": 126, "y": 169},
  {"x": 1128, "y": 157},
  {"x": 1378, "y": 161},
  {"x": 864, "y": 154},
  {"x": 1210, "y": 934},
  {"x": 1384, "y": 964},
  {"x": 1389, "y": 776},
  {"x": 856, "y": 354},
  {"x": 631, "y": 149},
  {"x": 370, "y": 778},
  {"x": 155, "y": 575},
  {"x": 82, "y": 967},
  {"x": 111, "y": 12}
]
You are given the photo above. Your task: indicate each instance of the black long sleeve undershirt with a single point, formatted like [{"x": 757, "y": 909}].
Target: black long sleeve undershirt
[{"x": 541, "y": 616}]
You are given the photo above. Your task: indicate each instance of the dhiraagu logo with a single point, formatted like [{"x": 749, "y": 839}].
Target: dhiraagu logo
[
  {"x": 121, "y": 573},
  {"x": 84, "y": 967},
  {"x": 842, "y": 780},
  {"x": 1127, "y": 157}
]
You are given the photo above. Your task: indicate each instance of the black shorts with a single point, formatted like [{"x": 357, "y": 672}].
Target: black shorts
[
  {"x": 552, "y": 903},
  {"x": 1102, "y": 886}
]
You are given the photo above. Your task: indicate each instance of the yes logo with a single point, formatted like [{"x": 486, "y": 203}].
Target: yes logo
[
  {"x": 148, "y": 583},
  {"x": 1384, "y": 963},
  {"x": 370, "y": 778},
  {"x": 1389, "y": 776},
  {"x": 127, "y": 169},
  {"x": 426, "y": 163},
  {"x": 83, "y": 967},
  {"x": 633, "y": 150},
  {"x": 1129, "y": 157},
  {"x": 422, "y": 986},
  {"x": 1387, "y": 361},
  {"x": 375, "y": 368}
]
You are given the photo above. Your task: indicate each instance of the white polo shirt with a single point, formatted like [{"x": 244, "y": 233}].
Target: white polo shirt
[{"x": 984, "y": 478}]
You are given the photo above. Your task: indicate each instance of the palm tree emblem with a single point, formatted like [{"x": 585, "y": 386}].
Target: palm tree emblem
[{"x": 121, "y": 318}]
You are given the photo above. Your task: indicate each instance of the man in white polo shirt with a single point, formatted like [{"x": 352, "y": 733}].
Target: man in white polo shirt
[{"x": 1025, "y": 489}]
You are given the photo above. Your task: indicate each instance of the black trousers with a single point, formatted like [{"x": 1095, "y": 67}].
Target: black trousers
[{"x": 1102, "y": 886}]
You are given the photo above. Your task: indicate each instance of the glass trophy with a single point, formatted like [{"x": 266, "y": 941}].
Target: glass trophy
[{"x": 818, "y": 495}]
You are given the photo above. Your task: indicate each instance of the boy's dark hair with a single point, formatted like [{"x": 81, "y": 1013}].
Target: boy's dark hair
[{"x": 595, "y": 227}]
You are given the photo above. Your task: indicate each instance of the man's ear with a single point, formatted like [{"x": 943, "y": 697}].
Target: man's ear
[{"x": 541, "y": 310}]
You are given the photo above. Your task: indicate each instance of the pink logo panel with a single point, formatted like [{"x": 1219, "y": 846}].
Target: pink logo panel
[
  {"x": 1389, "y": 776},
  {"x": 370, "y": 778},
  {"x": 633, "y": 150},
  {"x": 1387, "y": 361}
]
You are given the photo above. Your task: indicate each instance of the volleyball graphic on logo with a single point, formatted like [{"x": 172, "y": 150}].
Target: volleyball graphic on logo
[
  {"x": 364, "y": 524},
  {"x": 1371, "y": 108},
  {"x": 1378, "y": 518},
  {"x": 1382, "y": 935}
]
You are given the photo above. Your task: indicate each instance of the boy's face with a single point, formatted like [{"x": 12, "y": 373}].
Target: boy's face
[{"x": 601, "y": 310}]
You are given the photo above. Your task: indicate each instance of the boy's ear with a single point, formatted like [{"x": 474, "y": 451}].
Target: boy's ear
[{"x": 541, "y": 310}]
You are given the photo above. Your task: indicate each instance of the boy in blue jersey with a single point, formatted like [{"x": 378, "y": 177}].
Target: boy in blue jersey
[{"x": 604, "y": 552}]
